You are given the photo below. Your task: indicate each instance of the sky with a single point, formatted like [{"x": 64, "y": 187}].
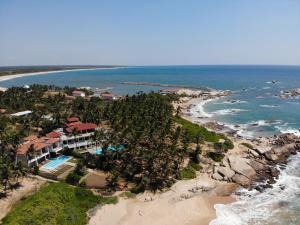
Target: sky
[{"x": 156, "y": 32}]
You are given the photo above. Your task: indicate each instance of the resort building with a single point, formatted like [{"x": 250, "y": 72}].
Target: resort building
[
  {"x": 42, "y": 149},
  {"x": 75, "y": 135},
  {"x": 78, "y": 135},
  {"x": 78, "y": 93},
  {"x": 106, "y": 96}
]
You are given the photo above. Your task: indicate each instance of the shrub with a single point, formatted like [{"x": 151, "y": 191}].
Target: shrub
[
  {"x": 187, "y": 173},
  {"x": 36, "y": 170},
  {"x": 228, "y": 144},
  {"x": 247, "y": 145},
  {"x": 73, "y": 178},
  {"x": 216, "y": 156},
  {"x": 196, "y": 166}
]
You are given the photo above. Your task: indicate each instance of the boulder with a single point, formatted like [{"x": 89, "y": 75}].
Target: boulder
[
  {"x": 254, "y": 153},
  {"x": 257, "y": 166},
  {"x": 270, "y": 155},
  {"x": 217, "y": 176},
  {"x": 226, "y": 172},
  {"x": 240, "y": 165},
  {"x": 242, "y": 180}
]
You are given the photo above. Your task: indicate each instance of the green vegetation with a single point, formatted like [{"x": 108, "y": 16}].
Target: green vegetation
[
  {"x": 56, "y": 203},
  {"x": 188, "y": 173},
  {"x": 218, "y": 157},
  {"x": 196, "y": 166},
  {"x": 73, "y": 178},
  {"x": 225, "y": 146},
  {"x": 247, "y": 145},
  {"x": 127, "y": 194},
  {"x": 196, "y": 130}
]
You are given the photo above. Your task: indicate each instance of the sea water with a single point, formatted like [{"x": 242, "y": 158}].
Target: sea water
[{"x": 254, "y": 108}]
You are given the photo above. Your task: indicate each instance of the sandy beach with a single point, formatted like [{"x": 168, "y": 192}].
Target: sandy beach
[
  {"x": 9, "y": 77},
  {"x": 188, "y": 202}
]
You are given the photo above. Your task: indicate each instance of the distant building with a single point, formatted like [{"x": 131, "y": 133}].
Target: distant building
[
  {"x": 169, "y": 91},
  {"x": 106, "y": 96},
  {"x": 78, "y": 93},
  {"x": 23, "y": 113}
]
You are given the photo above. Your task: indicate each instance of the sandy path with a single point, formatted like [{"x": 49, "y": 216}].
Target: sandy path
[
  {"x": 28, "y": 186},
  {"x": 169, "y": 208}
]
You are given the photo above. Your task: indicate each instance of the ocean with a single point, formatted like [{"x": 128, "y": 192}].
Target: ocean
[{"x": 254, "y": 108}]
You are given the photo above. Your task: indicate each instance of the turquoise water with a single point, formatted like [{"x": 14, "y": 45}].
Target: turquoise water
[
  {"x": 256, "y": 111},
  {"x": 110, "y": 148},
  {"x": 250, "y": 85},
  {"x": 56, "y": 162}
]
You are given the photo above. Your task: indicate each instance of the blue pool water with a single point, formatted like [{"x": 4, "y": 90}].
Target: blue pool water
[
  {"x": 56, "y": 162},
  {"x": 110, "y": 148}
]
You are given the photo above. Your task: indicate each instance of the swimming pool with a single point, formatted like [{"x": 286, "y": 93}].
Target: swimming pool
[
  {"x": 110, "y": 148},
  {"x": 56, "y": 162}
]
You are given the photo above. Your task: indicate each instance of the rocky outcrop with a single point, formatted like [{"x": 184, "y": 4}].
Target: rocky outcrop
[
  {"x": 241, "y": 166},
  {"x": 259, "y": 164}
]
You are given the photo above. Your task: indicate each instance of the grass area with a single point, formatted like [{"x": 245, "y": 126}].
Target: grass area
[
  {"x": 56, "y": 203},
  {"x": 73, "y": 160},
  {"x": 195, "y": 130},
  {"x": 188, "y": 173},
  {"x": 247, "y": 145},
  {"x": 127, "y": 194}
]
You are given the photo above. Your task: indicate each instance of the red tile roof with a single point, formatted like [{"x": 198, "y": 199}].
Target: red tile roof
[
  {"x": 77, "y": 92},
  {"x": 53, "y": 134},
  {"x": 81, "y": 127},
  {"x": 72, "y": 124},
  {"x": 72, "y": 119},
  {"x": 38, "y": 144}
]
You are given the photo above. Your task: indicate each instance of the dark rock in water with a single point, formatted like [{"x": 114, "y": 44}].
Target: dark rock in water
[
  {"x": 271, "y": 181},
  {"x": 274, "y": 172},
  {"x": 282, "y": 187},
  {"x": 283, "y": 203},
  {"x": 259, "y": 188}
]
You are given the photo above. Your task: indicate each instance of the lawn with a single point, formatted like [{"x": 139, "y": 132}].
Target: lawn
[
  {"x": 56, "y": 203},
  {"x": 195, "y": 129}
]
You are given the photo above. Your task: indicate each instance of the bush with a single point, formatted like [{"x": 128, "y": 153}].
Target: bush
[
  {"x": 187, "y": 173},
  {"x": 216, "y": 156},
  {"x": 73, "y": 178},
  {"x": 196, "y": 166},
  {"x": 228, "y": 144},
  {"x": 36, "y": 170},
  {"x": 247, "y": 145}
]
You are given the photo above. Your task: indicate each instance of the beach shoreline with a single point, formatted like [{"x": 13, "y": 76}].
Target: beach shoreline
[
  {"x": 10, "y": 77},
  {"x": 187, "y": 202}
]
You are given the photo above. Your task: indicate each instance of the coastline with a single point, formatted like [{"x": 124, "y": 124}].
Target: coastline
[
  {"x": 10, "y": 77},
  {"x": 187, "y": 202}
]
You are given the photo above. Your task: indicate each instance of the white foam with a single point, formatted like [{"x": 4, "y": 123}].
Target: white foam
[
  {"x": 198, "y": 110},
  {"x": 231, "y": 102},
  {"x": 286, "y": 130},
  {"x": 228, "y": 111},
  {"x": 268, "y": 106},
  {"x": 253, "y": 207}
]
